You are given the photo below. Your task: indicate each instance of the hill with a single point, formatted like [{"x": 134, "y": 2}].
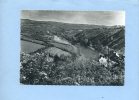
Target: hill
[{"x": 112, "y": 36}]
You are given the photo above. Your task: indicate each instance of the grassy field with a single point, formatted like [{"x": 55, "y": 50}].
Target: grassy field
[{"x": 29, "y": 47}]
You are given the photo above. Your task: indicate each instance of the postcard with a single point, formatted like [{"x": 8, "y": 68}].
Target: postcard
[{"x": 69, "y": 50}]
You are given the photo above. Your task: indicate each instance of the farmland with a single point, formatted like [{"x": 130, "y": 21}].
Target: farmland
[{"x": 29, "y": 47}]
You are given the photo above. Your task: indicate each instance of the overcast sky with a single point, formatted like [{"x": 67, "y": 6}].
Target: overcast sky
[{"x": 108, "y": 18}]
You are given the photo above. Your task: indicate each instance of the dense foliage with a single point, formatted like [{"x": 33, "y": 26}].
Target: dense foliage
[{"x": 36, "y": 69}]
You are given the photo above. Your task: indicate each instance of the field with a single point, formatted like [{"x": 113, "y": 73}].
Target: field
[
  {"x": 73, "y": 57},
  {"x": 29, "y": 47}
]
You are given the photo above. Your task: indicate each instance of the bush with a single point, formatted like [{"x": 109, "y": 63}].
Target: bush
[{"x": 35, "y": 69}]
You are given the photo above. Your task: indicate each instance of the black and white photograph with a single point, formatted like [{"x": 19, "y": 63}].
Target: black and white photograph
[{"x": 72, "y": 48}]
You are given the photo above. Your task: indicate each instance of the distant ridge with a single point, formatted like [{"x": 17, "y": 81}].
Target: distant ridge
[{"x": 71, "y": 23}]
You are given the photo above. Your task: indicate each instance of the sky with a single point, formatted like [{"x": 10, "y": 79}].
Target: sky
[{"x": 108, "y": 18}]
